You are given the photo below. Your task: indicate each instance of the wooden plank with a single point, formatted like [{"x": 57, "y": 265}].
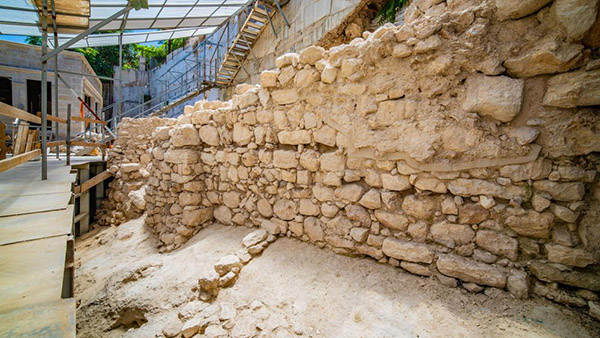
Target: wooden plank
[
  {"x": 29, "y": 204},
  {"x": 19, "y": 159},
  {"x": 86, "y": 144},
  {"x": 22, "y": 228},
  {"x": 32, "y": 272},
  {"x": 49, "y": 319},
  {"x": 29, "y": 144},
  {"x": 17, "y": 113},
  {"x": 56, "y": 143},
  {"x": 53, "y": 118},
  {"x": 3, "y": 139},
  {"x": 80, "y": 217},
  {"x": 85, "y": 119},
  {"x": 23, "y": 126}
]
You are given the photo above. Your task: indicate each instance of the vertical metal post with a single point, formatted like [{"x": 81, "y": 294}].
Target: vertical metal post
[
  {"x": 55, "y": 99},
  {"x": 120, "y": 88},
  {"x": 103, "y": 137},
  {"x": 69, "y": 134},
  {"x": 44, "y": 88}
]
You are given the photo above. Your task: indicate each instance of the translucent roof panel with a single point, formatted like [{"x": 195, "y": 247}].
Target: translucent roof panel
[
  {"x": 168, "y": 18},
  {"x": 71, "y": 15},
  {"x": 111, "y": 39}
]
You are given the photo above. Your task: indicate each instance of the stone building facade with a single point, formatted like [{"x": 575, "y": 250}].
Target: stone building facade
[{"x": 20, "y": 75}]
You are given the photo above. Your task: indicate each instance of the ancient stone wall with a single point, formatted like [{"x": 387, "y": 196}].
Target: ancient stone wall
[
  {"x": 129, "y": 160},
  {"x": 463, "y": 144}
]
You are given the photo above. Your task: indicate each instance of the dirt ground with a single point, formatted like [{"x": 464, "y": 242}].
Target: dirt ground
[{"x": 126, "y": 288}]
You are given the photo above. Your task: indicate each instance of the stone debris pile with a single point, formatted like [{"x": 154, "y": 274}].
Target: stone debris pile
[{"x": 461, "y": 145}]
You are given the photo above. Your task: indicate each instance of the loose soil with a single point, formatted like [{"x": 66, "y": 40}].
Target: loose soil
[{"x": 126, "y": 288}]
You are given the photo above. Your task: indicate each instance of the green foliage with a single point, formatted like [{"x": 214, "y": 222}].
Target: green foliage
[
  {"x": 388, "y": 11},
  {"x": 103, "y": 59},
  {"x": 34, "y": 40},
  {"x": 160, "y": 52}
]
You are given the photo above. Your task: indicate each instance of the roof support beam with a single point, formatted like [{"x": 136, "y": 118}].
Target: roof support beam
[{"x": 86, "y": 33}]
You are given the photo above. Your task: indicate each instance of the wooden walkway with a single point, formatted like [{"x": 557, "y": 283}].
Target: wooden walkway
[{"x": 36, "y": 222}]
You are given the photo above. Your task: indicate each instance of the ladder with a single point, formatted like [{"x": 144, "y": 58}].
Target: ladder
[{"x": 259, "y": 17}]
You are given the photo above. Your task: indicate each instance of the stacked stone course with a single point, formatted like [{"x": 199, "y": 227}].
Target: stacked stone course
[{"x": 461, "y": 145}]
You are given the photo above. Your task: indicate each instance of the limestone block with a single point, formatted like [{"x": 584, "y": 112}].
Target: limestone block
[
  {"x": 471, "y": 271},
  {"x": 333, "y": 162},
  {"x": 576, "y": 16},
  {"x": 452, "y": 234},
  {"x": 419, "y": 207},
  {"x": 285, "y": 159},
  {"x": 571, "y": 191},
  {"x": 329, "y": 74},
  {"x": 242, "y": 134},
  {"x": 532, "y": 224},
  {"x": 325, "y": 135},
  {"x": 264, "y": 208},
  {"x": 312, "y": 228},
  {"x": 552, "y": 273},
  {"x": 311, "y": 55},
  {"x": 499, "y": 97},
  {"x": 254, "y": 238},
  {"x": 569, "y": 256},
  {"x": 357, "y": 213},
  {"x": 548, "y": 56},
  {"x": 227, "y": 264},
  {"x": 196, "y": 217},
  {"x": 306, "y": 77},
  {"x": 285, "y": 209},
  {"x": 268, "y": 78},
  {"x": 536, "y": 170},
  {"x": 294, "y": 137},
  {"x": 308, "y": 208},
  {"x": 323, "y": 194},
  {"x": 392, "y": 220},
  {"x": 359, "y": 234},
  {"x": 285, "y": 96},
  {"x": 286, "y": 60},
  {"x": 371, "y": 199},
  {"x": 349, "y": 192},
  {"x": 431, "y": 184},
  {"x": 569, "y": 90},
  {"x": 516, "y": 9},
  {"x": 223, "y": 215},
  {"x": 498, "y": 243},
  {"x": 395, "y": 182},
  {"x": 408, "y": 251}
]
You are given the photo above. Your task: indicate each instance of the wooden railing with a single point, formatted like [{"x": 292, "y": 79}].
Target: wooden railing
[{"x": 26, "y": 143}]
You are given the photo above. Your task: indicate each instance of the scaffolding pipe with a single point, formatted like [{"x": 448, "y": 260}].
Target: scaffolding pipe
[
  {"x": 44, "y": 88},
  {"x": 55, "y": 100}
]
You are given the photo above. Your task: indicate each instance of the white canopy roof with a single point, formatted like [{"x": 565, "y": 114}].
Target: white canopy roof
[{"x": 163, "y": 20}]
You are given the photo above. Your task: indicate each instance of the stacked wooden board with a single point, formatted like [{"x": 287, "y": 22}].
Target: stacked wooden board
[{"x": 36, "y": 223}]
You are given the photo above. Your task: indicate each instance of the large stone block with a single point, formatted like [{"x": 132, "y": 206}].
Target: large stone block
[
  {"x": 294, "y": 137},
  {"x": 569, "y": 90},
  {"x": 452, "y": 234},
  {"x": 392, "y": 220},
  {"x": 471, "y": 271},
  {"x": 285, "y": 209},
  {"x": 408, "y": 251},
  {"x": 182, "y": 156},
  {"x": 552, "y": 273},
  {"x": 548, "y": 56},
  {"x": 285, "y": 159},
  {"x": 499, "y": 97},
  {"x": 569, "y": 256},
  {"x": 498, "y": 243},
  {"x": 532, "y": 224},
  {"x": 566, "y": 192},
  {"x": 285, "y": 96},
  {"x": 516, "y": 9},
  {"x": 576, "y": 16}
]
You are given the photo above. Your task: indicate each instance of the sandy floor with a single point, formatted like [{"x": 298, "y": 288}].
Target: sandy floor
[{"x": 301, "y": 289}]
